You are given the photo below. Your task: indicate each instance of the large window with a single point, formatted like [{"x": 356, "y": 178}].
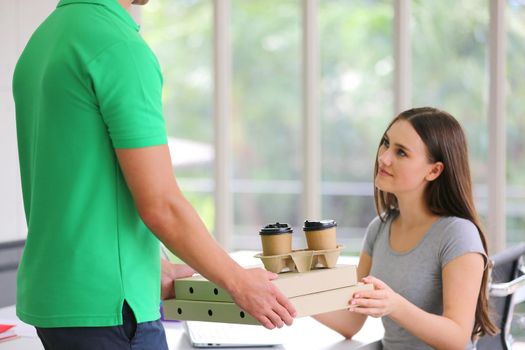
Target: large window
[
  {"x": 450, "y": 53},
  {"x": 356, "y": 72},
  {"x": 180, "y": 34},
  {"x": 515, "y": 122},
  {"x": 266, "y": 55},
  {"x": 449, "y": 69}
]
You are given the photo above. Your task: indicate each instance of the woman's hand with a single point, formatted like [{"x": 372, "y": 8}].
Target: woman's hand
[{"x": 381, "y": 301}]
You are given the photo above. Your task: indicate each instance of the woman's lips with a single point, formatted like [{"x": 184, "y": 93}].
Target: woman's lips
[{"x": 383, "y": 172}]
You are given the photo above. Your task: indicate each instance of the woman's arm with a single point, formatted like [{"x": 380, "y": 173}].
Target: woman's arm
[
  {"x": 344, "y": 322},
  {"x": 452, "y": 330}
]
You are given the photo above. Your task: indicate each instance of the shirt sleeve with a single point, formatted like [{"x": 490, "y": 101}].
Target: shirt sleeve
[
  {"x": 128, "y": 86},
  {"x": 460, "y": 237},
  {"x": 371, "y": 234}
]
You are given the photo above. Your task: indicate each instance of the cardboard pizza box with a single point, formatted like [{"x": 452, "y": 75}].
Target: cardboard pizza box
[
  {"x": 228, "y": 312},
  {"x": 291, "y": 284}
]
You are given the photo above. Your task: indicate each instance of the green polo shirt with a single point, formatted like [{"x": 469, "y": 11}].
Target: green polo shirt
[{"x": 85, "y": 84}]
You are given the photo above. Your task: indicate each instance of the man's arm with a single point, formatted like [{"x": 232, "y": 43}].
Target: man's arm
[{"x": 166, "y": 212}]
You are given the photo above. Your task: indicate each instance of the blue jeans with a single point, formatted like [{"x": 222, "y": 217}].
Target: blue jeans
[{"x": 130, "y": 336}]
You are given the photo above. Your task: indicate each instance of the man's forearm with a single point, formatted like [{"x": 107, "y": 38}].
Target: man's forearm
[{"x": 182, "y": 231}]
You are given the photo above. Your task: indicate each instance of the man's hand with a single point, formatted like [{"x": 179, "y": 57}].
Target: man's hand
[
  {"x": 257, "y": 295},
  {"x": 169, "y": 273}
]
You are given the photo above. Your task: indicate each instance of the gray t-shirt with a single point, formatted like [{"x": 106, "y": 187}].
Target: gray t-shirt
[{"x": 416, "y": 274}]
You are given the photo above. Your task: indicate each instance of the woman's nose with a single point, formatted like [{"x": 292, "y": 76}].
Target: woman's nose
[{"x": 384, "y": 158}]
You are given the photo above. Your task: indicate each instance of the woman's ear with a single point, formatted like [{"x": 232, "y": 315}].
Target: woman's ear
[{"x": 435, "y": 171}]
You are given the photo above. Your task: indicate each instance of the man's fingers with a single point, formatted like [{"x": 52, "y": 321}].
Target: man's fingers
[
  {"x": 285, "y": 302},
  {"x": 283, "y": 313},
  {"x": 263, "y": 300},
  {"x": 275, "y": 319},
  {"x": 265, "y": 322},
  {"x": 271, "y": 275},
  {"x": 182, "y": 270}
]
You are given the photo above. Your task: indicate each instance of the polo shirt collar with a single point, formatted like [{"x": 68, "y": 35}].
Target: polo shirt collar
[{"x": 112, "y": 5}]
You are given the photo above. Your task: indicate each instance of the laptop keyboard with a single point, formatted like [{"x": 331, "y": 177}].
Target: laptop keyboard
[{"x": 235, "y": 334}]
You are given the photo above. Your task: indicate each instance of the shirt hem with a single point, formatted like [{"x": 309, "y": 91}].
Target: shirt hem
[
  {"x": 140, "y": 142},
  {"x": 82, "y": 320}
]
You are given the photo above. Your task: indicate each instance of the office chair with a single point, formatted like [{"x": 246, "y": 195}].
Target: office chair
[
  {"x": 10, "y": 254},
  {"x": 506, "y": 289}
]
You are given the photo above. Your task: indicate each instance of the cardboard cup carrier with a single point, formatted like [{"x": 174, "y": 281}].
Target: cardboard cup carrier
[{"x": 278, "y": 256}]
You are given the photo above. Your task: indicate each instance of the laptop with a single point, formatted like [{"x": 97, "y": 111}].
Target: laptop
[{"x": 226, "y": 335}]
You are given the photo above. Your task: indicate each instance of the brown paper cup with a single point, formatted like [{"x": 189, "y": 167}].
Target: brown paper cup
[
  {"x": 320, "y": 235},
  {"x": 321, "y": 239},
  {"x": 276, "y": 239},
  {"x": 276, "y": 244}
]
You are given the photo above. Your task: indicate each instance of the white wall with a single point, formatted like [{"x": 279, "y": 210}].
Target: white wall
[{"x": 18, "y": 19}]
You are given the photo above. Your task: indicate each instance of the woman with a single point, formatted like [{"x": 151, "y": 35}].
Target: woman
[{"x": 425, "y": 253}]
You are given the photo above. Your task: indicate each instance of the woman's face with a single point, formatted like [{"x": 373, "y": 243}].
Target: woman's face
[{"x": 403, "y": 164}]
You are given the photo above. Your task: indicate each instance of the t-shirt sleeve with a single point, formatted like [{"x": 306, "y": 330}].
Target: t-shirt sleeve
[
  {"x": 460, "y": 237},
  {"x": 371, "y": 234},
  {"x": 128, "y": 86}
]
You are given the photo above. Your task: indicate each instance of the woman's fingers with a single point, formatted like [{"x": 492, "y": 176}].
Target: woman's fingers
[
  {"x": 373, "y": 312},
  {"x": 370, "y": 294},
  {"x": 378, "y": 284},
  {"x": 367, "y": 302},
  {"x": 375, "y": 303}
]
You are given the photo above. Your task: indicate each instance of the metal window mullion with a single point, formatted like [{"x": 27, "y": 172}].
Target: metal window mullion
[
  {"x": 311, "y": 119},
  {"x": 497, "y": 139},
  {"x": 222, "y": 123},
  {"x": 402, "y": 56}
]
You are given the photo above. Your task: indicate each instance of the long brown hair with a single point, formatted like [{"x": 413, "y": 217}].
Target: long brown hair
[{"x": 448, "y": 195}]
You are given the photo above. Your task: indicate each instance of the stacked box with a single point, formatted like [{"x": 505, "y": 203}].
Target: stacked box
[{"x": 312, "y": 292}]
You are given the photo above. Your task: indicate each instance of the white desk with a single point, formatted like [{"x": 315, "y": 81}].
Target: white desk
[{"x": 305, "y": 333}]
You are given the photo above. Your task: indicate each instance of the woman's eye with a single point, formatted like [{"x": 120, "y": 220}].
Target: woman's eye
[
  {"x": 385, "y": 142},
  {"x": 401, "y": 153}
]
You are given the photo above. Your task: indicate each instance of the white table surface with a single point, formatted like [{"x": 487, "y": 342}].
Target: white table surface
[{"x": 305, "y": 333}]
